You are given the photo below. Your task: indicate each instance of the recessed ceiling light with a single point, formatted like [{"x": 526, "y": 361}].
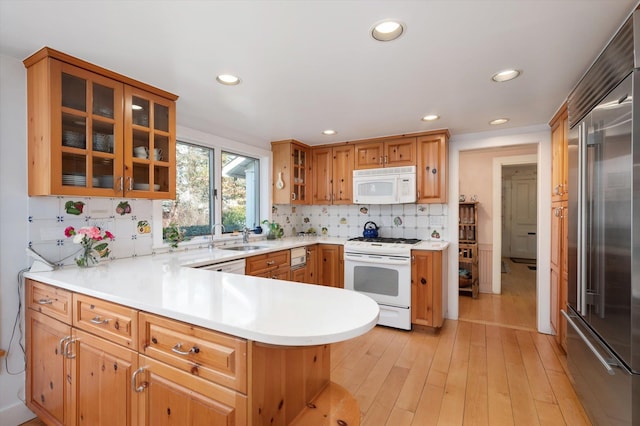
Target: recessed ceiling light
[
  {"x": 228, "y": 79},
  {"x": 430, "y": 117},
  {"x": 329, "y": 132},
  {"x": 505, "y": 75},
  {"x": 387, "y": 30},
  {"x": 498, "y": 121}
]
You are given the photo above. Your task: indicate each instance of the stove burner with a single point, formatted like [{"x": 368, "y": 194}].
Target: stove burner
[{"x": 387, "y": 240}]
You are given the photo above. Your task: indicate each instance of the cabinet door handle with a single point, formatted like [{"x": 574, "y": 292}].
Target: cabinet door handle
[
  {"x": 178, "y": 349},
  {"x": 61, "y": 343},
  {"x": 45, "y": 301},
  {"x": 293, "y": 196},
  {"x": 434, "y": 170},
  {"x": 134, "y": 376},
  {"x": 97, "y": 320},
  {"x": 121, "y": 186},
  {"x": 130, "y": 180},
  {"x": 66, "y": 352},
  {"x": 423, "y": 281}
]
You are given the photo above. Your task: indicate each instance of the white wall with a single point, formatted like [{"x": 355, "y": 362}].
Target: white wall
[
  {"x": 13, "y": 230},
  {"x": 541, "y": 137}
]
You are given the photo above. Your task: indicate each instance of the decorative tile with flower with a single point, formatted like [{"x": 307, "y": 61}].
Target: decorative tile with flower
[{"x": 93, "y": 242}]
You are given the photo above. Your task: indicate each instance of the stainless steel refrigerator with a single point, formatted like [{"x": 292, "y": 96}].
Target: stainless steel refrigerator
[{"x": 603, "y": 312}]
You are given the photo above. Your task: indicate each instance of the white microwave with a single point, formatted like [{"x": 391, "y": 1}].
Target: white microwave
[{"x": 389, "y": 185}]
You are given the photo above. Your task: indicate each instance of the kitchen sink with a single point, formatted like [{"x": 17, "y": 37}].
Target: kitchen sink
[{"x": 240, "y": 248}]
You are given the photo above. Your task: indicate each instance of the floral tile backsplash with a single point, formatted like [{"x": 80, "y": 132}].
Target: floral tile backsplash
[
  {"x": 127, "y": 219},
  {"x": 346, "y": 221}
]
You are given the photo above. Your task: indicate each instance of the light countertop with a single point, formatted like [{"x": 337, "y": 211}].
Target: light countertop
[{"x": 260, "y": 309}]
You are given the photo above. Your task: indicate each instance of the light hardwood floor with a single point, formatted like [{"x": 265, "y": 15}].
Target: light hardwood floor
[
  {"x": 465, "y": 374},
  {"x": 515, "y": 307}
]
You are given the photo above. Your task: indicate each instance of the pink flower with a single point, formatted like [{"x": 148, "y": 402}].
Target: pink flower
[
  {"x": 69, "y": 231},
  {"x": 108, "y": 235}
]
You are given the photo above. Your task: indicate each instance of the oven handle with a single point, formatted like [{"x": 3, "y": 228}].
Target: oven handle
[{"x": 372, "y": 258}]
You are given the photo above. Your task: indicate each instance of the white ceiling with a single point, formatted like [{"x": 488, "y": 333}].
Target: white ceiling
[{"x": 311, "y": 65}]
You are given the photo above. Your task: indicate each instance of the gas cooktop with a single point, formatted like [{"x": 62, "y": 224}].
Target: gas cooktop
[{"x": 386, "y": 240}]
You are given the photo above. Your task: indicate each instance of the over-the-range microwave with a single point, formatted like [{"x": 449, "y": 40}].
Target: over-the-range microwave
[{"x": 389, "y": 185}]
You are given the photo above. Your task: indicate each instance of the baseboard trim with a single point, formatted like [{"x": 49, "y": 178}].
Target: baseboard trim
[{"x": 16, "y": 414}]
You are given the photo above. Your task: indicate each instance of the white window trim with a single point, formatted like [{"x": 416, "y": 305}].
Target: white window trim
[{"x": 218, "y": 144}]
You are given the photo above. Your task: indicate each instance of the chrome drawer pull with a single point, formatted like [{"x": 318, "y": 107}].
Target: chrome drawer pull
[
  {"x": 271, "y": 262},
  {"x": 177, "y": 349},
  {"x": 45, "y": 302},
  {"x": 143, "y": 385},
  {"x": 97, "y": 320}
]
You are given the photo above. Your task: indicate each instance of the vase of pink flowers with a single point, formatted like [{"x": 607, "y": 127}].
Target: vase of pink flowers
[{"x": 93, "y": 242}]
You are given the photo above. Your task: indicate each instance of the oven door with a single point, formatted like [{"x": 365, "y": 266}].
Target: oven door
[{"x": 386, "y": 279}]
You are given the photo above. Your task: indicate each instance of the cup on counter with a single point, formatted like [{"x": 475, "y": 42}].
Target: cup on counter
[
  {"x": 141, "y": 152},
  {"x": 157, "y": 154}
]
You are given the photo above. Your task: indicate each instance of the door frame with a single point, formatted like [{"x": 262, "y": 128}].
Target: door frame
[
  {"x": 539, "y": 135},
  {"x": 498, "y": 162}
]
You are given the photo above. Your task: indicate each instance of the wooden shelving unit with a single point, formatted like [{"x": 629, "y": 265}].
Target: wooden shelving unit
[{"x": 468, "y": 249}]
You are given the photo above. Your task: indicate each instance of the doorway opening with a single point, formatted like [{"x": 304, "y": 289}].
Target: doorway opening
[{"x": 508, "y": 255}]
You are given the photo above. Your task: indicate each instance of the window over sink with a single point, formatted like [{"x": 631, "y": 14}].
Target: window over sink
[{"x": 198, "y": 196}]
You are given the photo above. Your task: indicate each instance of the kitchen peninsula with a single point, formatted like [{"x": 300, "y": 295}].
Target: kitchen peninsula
[{"x": 147, "y": 340}]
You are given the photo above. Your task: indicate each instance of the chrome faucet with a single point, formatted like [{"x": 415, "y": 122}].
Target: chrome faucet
[
  {"x": 245, "y": 235},
  {"x": 213, "y": 232}
]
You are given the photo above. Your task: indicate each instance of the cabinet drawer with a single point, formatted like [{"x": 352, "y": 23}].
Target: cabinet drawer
[
  {"x": 115, "y": 323},
  {"x": 256, "y": 265},
  {"x": 52, "y": 301},
  {"x": 205, "y": 353}
]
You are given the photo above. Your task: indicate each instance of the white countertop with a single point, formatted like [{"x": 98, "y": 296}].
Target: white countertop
[{"x": 265, "y": 310}]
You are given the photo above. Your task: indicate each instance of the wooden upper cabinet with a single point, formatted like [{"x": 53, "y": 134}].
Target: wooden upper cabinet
[
  {"x": 389, "y": 153},
  {"x": 432, "y": 152},
  {"x": 290, "y": 174},
  {"x": 559, "y": 155},
  {"x": 332, "y": 170},
  {"x": 83, "y": 124}
]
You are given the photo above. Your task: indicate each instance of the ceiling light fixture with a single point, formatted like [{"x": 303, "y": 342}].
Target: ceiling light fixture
[
  {"x": 228, "y": 79},
  {"x": 387, "y": 30},
  {"x": 505, "y": 75},
  {"x": 430, "y": 117},
  {"x": 329, "y": 132},
  {"x": 498, "y": 121}
]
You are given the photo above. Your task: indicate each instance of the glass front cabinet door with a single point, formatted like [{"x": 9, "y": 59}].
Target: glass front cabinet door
[{"x": 94, "y": 134}]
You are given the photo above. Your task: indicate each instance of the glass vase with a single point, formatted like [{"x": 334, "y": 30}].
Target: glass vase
[{"x": 87, "y": 257}]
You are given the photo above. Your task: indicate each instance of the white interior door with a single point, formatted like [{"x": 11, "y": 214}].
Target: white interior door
[{"x": 523, "y": 217}]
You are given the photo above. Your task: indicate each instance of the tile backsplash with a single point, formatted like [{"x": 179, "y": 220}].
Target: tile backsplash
[
  {"x": 344, "y": 221},
  {"x": 129, "y": 220}
]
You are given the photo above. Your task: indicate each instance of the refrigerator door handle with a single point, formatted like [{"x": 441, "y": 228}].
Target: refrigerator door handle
[
  {"x": 606, "y": 364},
  {"x": 581, "y": 216}
]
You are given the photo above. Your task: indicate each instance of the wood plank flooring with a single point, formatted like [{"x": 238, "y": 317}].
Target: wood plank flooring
[
  {"x": 465, "y": 374},
  {"x": 515, "y": 307}
]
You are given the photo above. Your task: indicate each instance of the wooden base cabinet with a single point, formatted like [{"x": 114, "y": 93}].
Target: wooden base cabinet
[
  {"x": 173, "y": 397},
  {"x": 101, "y": 382},
  {"x": 331, "y": 265},
  {"x": 47, "y": 390},
  {"x": 426, "y": 287}
]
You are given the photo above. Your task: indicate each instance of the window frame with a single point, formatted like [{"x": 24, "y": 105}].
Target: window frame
[{"x": 218, "y": 145}]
